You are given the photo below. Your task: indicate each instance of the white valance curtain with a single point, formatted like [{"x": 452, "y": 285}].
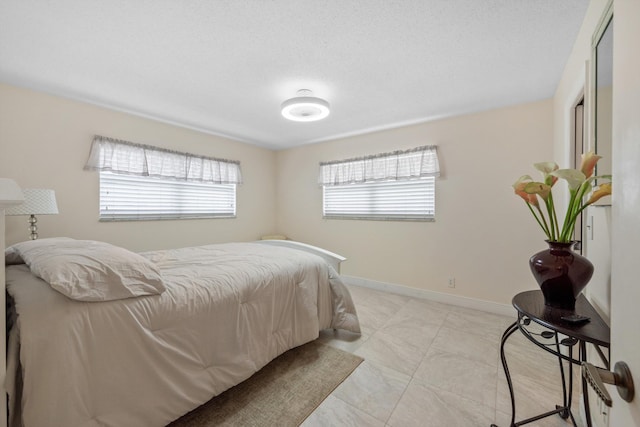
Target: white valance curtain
[
  {"x": 399, "y": 165},
  {"x": 123, "y": 157}
]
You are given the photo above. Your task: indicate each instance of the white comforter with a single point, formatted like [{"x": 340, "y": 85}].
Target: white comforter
[{"x": 228, "y": 310}]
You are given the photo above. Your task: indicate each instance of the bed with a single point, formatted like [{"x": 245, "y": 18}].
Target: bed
[{"x": 85, "y": 352}]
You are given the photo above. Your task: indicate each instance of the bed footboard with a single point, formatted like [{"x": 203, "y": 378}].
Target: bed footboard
[{"x": 332, "y": 259}]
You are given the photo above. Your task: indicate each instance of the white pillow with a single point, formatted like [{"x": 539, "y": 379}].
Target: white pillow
[
  {"x": 86, "y": 270},
  {"x": 12, "y": 257}
]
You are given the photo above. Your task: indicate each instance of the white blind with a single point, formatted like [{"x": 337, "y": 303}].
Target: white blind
[
  {"x": 128, "y": 197},
  {"x": 396, "y": 200}
]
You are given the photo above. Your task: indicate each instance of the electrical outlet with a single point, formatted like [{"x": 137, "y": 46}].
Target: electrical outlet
[{"x": 452, "y": 282}]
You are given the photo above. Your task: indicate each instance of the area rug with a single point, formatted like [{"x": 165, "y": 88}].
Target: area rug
[{"x": 283, "y": 393}]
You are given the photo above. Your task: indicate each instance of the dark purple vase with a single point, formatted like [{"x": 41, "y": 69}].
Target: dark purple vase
[{"x": 561, "y": 273}]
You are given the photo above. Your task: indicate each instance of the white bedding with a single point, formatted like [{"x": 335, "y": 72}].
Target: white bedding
[{"x": 228, "y": 310}]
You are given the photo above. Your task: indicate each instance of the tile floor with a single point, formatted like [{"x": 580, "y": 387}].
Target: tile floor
[{"x": 431, "y": 364}]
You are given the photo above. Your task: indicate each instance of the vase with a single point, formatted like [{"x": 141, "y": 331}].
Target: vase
[{"x": 561, "y": 274}]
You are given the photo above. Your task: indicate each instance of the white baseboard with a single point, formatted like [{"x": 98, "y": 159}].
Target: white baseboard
[{"x": 477, "y": 304}]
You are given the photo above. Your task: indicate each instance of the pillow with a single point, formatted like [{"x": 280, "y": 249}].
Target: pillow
[
  {"x": 86, "y": 270},
  {"x": 12, "y": 257}
]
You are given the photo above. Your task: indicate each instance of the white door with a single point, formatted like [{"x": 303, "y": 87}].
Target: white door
[{"x": 625, "y": 242}]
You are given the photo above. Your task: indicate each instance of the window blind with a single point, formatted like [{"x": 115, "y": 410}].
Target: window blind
[
  {"x": 399, "y": 185},
  {"x": 129, "y": 197},
  {"x": 380, "y": 200}
]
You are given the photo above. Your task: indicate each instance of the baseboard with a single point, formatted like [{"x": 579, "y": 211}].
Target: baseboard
[{"x": 477, "y": 304}]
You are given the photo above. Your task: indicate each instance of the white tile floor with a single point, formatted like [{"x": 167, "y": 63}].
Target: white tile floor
[{"x": 431, "y": 364}]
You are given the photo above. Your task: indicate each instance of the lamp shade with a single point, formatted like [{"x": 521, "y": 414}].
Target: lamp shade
[
  {"x": 10, "y": 193},
  {"x": 36, "y": 202}
]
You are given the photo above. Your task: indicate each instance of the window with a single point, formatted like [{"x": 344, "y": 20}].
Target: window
[
  {"x": 127, "y": 197},
  {"x": 399, "y": 200},
  {"x": 388, "y": 186},
  {"x": 142, "y": 182}
]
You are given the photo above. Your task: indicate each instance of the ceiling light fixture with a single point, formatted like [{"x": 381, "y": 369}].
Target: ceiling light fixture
[{"x": 305, "y": 107}]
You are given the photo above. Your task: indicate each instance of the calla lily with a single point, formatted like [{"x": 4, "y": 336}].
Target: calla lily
[
  {"x": 538, "y": 188},
  {"x": 529, "y": 198},
  {"x": 588, "y": 163},
  {"x": 574, "y": 177},
  {"x": 546, "y": 168},
  {"x": 523, "y": 178},
  {"x": 580, "y": 183},
  {"x": 519, "y": 187},
  {"x": 602, "y": 191}
]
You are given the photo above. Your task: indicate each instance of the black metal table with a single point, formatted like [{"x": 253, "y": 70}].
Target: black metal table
[{"x": 558, "y": 334}]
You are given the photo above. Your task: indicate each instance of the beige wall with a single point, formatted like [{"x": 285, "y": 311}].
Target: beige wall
[
  {"x": 483, "y": 234},
  {"x": 44, "y": 143}
]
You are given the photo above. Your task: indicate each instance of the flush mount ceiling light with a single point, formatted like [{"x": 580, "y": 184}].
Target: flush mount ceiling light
[{"x": 305, "y": 107}]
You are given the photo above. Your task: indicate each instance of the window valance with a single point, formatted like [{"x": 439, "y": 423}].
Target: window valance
[
  {"x": 128, "y": 158},
  {"x": 399, "y": 165}
]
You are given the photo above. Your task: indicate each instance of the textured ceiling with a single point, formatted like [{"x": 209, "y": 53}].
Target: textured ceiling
[{"x": 225, "y": 66}]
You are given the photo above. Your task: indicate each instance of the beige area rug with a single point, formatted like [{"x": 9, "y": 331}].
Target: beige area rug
[{"x": 283, "y": 393}]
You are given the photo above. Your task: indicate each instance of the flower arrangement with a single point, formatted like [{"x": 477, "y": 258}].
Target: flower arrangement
[{"x": 580, "y": 184}]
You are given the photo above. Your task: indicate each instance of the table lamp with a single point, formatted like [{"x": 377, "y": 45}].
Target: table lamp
[
  {"x": 10, "y": 193},
  {"x": 36, "y": 202}
]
